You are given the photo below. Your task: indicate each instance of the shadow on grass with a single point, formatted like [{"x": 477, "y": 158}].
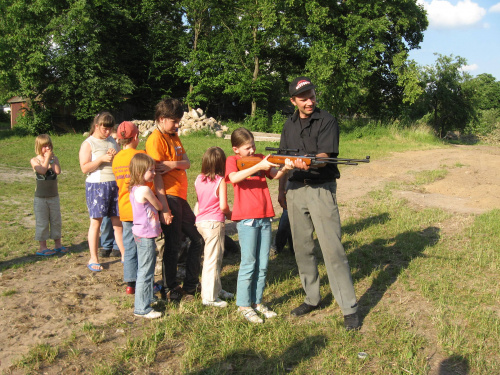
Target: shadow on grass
[
  {"x": 454, "y": 365},
  {"x": 254, "y": 362},
  {"x": 389, "y": 256},
  {"x": 33, "y": 258}
]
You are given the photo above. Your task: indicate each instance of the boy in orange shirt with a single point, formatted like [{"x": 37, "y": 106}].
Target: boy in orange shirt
[
  {"x": 128, "y": 138},
  {"x": 165, "y": 147}
]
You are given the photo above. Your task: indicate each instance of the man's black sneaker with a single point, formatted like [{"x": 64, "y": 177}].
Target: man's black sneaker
[
  {"x": 116, "y": 253},
  {"x": 351, "y": 322},
  {"x": 174, "y": 295},
  {"x": 303, "y": 309},
  {"x": 104, "y": 253}
]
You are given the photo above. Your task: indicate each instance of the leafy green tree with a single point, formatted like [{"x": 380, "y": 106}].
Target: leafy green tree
[
  {"x": 449, "y": 94},
  {"x": 488, "y": 92},
  {"x": 358, "y": 51},
  {"x": 83, "y": 56}
]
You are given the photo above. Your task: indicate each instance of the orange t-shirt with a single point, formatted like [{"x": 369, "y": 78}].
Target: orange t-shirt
[
  {"x": 168, "y": 147},
  {"x": 120, "y": 165}
]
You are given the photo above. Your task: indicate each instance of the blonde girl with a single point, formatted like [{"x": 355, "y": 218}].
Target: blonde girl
[
  {"x": 146, "y": 227},
  {"x": 46, "y": 204},
  {"x": 211, "y": 191}
]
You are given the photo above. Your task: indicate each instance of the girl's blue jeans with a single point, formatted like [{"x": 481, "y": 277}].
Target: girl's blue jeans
[
  {"x": 146, "y": 258},
  {"x": 255, "y": 241}
]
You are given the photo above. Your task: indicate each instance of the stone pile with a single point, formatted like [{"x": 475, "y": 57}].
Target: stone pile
[{"x": 192, "y": 121}]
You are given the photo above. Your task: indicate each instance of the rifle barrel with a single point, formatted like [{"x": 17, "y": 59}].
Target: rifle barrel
[{"x": 366, "y": 160}]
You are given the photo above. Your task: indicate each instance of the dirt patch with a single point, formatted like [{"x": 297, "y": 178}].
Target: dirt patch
[{"x": 50, "y": 301}]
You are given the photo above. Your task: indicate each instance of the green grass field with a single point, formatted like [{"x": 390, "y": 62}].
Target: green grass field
[{"x": 425, "y": 296}]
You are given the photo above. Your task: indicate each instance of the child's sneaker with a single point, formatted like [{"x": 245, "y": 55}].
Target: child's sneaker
[
  {"x": 265, "y": 311},
  {"x": 150, "y": 315},
  {"x": 225, "y": 295},
  {"x": 217, "y": 303},
  {"x": 251, "y": 315}
]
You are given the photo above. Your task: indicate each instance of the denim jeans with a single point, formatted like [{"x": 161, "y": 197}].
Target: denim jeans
[
  {"x": 255, "y": 240},
  {"x": 108, "y": 235},
  {"x": 146, "y": 257},
  {"x": 183, "y": 223},
  {"x": 130, "y": 259}
]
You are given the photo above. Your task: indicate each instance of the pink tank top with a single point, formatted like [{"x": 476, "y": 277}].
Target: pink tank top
[
  {"x": 208, "y": 201},
  {"x": 146, "y": 219}
]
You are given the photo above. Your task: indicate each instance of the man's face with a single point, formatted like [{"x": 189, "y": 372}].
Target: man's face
[
  {"x": 169, "y": 125},
  {"x": 305, "y": 103}
]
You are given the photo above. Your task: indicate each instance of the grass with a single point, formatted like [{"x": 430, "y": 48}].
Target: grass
[{"x": 424, "y": 295}]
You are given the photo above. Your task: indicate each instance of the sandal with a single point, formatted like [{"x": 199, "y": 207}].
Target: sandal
[
  {"x": 62, "y": 250},
  {"x": 265, "y": 311},
  {"x": 46, "y": 252},
  {"x": 91, "y": 266},
  {"x": 250, "y": 315}
]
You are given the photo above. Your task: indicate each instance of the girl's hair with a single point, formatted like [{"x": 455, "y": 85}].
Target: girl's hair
[
  {"x": 241, "y": 136},
  {"x": 169, "y": 108},
  {"x": 139, "y": 165},
  {"x": 40, "y": 141},
  {"x": 213, "y": 163},
  {"x": 102, "y": 118}
]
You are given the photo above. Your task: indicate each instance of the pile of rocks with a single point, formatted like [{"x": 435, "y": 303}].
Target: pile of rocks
[{"x": 192, "y": 121}]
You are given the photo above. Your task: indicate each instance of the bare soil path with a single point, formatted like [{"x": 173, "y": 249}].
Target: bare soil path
[{"x": 52, "y": 298}]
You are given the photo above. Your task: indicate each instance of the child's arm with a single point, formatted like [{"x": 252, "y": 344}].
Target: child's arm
[
  {"x": 163, "y": 167},
  {"x": 56, "y": 166},
  {"x": 278, "y": 173},
  {"x": 263, "y": 165},
  {"x": 85, "y": 156},
  {"x": 151, "y": 198},
  {"x": 222, "y": 193},
  {"x": 166, "y": 215}
]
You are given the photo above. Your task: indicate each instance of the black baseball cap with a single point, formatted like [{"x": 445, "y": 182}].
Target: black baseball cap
[{"x": 300, "y": 85}]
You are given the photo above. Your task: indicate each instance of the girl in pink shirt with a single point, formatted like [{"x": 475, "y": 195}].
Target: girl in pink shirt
[{"x": 213, "y": 209}]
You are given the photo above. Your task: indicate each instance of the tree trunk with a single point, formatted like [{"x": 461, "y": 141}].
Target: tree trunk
[{"x": 255, "y": 73}]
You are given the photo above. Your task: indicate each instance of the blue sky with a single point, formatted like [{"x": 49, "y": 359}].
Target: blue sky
[{"x": 466, "y": 28}]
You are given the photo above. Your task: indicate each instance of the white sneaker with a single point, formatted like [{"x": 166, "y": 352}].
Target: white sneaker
[
  {"x": 150, "y": 315},
  {"x": 265, "y": 311},
  {"x": 251, "y": 315},
  {"x": 225, "y": 295},
  {"x": 217, "y": 303}
]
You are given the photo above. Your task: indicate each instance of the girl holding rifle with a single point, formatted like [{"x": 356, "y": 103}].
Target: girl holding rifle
[{"x": 252, "y": 210}]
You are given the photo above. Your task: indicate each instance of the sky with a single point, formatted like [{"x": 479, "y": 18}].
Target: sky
[{"x": 465, "y": 28}]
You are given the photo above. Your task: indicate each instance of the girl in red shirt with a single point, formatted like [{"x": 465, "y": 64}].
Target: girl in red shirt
[{"x": 252, "y": 210}]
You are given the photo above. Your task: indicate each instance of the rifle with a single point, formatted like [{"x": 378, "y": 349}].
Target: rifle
[{"x": 279, "y": 158}]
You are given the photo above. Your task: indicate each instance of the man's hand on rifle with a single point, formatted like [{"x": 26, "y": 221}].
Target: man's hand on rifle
[{"x": 300, "y": 164}]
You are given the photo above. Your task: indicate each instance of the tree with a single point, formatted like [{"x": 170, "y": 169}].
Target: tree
[
  {"x": 358, "y": 49},
  {"x": 488, "y": 92},
  {"x": 89, "y": 55},
  {"x": 449, "y": 94}
]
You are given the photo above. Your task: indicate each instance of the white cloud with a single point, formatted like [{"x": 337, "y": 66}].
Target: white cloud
[
  {"x": 469, "y": 68},
  {"x": 445, "y": 15},
  {"x": 495, "y": 8}
]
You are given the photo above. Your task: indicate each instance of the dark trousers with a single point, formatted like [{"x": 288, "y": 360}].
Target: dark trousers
[
  {"x": 182, "y": 223},
  {"x": 284, "y": 233}
]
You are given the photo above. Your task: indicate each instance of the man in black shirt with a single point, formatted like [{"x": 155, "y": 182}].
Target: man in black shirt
[{"x": 311, "y": 201}]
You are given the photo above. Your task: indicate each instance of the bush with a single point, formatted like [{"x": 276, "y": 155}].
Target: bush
[
  {"x": 4, "y": 117},
  {"x": 262, "y": 122},
  {"x": 35, "y": 121},
  {"x": 489, "y": 120}
]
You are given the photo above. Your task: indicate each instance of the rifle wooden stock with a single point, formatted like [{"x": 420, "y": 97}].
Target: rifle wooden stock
[{"x": 250, "y": 161}]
